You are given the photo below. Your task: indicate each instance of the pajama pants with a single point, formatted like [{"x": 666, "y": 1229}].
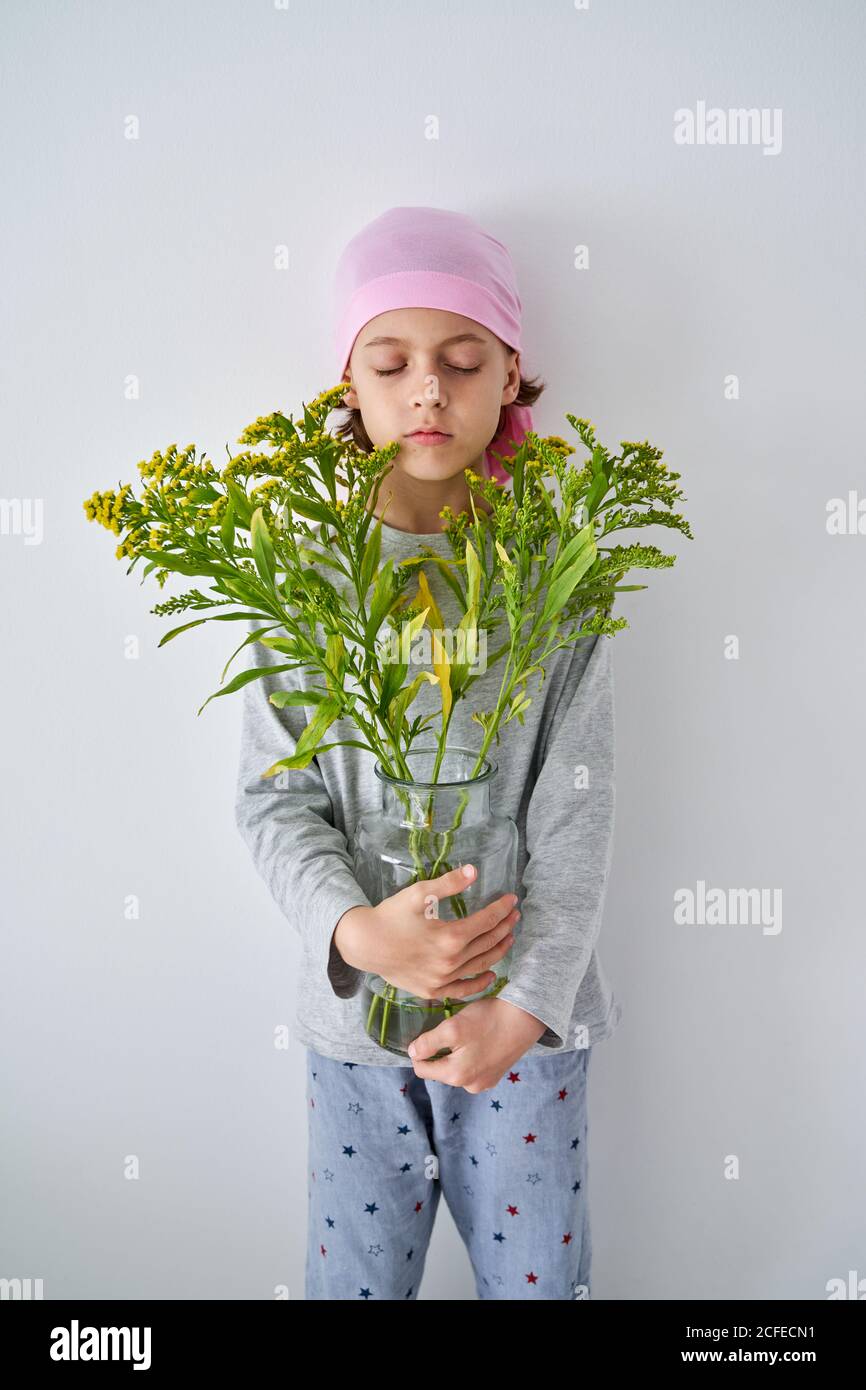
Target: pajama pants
[{"x": 511, "y": 1162}]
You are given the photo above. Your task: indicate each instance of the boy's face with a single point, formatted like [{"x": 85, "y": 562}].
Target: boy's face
[{"x": 445, "y": 373}]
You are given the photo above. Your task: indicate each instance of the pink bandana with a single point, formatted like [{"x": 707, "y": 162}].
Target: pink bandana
[{"x": 433, "y": 259}]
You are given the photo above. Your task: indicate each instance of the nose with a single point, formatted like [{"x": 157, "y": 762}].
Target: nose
[{"x": 427, "y": 389}]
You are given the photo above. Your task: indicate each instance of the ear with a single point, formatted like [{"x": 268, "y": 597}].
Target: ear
[
  {"x": 512, "y": 379},
  {"x": 350, "y": 397}
]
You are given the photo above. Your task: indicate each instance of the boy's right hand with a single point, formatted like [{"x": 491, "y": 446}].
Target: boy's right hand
[{"x": 403, "y": 939}]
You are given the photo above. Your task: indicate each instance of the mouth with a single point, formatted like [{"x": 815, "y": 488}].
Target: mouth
[{"x": 429, "y": 437}]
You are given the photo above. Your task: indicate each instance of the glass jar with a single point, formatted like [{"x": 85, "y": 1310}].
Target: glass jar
[{"x": 424, "y": 829}]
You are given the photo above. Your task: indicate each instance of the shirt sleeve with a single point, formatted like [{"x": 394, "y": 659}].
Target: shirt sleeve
[
  {"x": 569, "y": 843},
  {"x": 288, "y": 824}
]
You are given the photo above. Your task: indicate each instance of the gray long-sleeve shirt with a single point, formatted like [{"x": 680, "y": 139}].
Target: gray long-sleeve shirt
[{"x": 299, "y": 830}]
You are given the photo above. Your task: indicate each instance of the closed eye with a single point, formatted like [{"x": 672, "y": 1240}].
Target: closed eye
[{"x": 465, "y": 371}]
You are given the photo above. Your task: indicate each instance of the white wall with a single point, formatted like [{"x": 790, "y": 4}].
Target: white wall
[{"x": 262, "y": 126}]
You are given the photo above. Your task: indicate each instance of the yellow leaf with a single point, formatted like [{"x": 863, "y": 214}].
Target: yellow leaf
[
  {"x": 415, "y": 625},
  {"x": 506, "y": 558},
  {"x": 473, "y": 577},
  {"x": 409, "y": 630},
  {"x": 334, "y": 652},
  {"x": 442, "y": 667},
  {"x": 425, "y": 597},
  {"x": 403, "y": 700}
]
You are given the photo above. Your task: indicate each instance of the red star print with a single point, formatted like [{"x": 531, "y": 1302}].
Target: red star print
[
  {"x": 404, "y": 1088},
  {"x": 323, "y": 1250},
  {"x": 562, "y": 1095},
  {"x": 531, "y": 1278},
  {"x": 529, "y": 1138},
  {"x": 566, "y": 1238},
  {"x": 513, "y": 1076},
  {"x": 312, "y": 1102},
  {"x": 512, "y": 1211},
  {"x": 418, "y": 1206}
]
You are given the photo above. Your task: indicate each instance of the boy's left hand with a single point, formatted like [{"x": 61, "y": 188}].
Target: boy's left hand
[{"x": 486, "y": 1038}]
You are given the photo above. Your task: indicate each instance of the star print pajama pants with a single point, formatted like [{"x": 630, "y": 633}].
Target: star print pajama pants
[{"x": 512, "y": 1164}]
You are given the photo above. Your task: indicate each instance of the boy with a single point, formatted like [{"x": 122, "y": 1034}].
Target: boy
[{"x": 428, "y": 336}]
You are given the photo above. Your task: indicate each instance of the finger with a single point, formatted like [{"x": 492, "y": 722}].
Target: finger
[
  {"x": 460, "y": 986},
  {"x": 489, "y": 957},
  {"x": 443, "y": 1070},
  {"x": 482, "y": 945},
  {"x": 449, "y": 885},
  {"x": 429, "y": 1043},
  {"x": 480, "y": 931}
]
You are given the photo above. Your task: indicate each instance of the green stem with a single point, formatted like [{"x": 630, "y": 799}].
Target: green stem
[{"x": 424, "y": 842}]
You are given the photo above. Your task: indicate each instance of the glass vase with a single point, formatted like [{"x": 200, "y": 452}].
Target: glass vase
[{"x": 421, "y": 830}]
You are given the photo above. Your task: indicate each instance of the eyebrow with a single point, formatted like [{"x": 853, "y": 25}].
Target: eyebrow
[{"x": 458, "y": 338}]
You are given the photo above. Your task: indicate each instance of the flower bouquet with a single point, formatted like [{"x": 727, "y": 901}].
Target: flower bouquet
[{"x": 286, "y": 539}]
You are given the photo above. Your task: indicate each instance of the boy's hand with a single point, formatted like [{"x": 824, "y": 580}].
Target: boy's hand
[
  {"x": 405, "y": 941},
  {"x": 486, "y": 1038}
]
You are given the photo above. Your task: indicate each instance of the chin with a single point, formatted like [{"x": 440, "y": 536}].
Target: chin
[
  {"x": 449, "y": 458},
  {"x": 436, "y": 467}
]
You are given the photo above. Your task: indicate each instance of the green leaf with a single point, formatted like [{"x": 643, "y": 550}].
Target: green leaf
[
  {"x": 560, "y": 590},
  {"x": 597, "y": 460},
  {"x": 460, "y": 671},
  {"x": 314, "y": 511},
  {"x": 597, "y": 490},
  {"x": 372, "y": 553},
  {"x": 327, "y": 467},
  {"x": 281, "y": 698},
  {"x": 392, "y": 683},
  {"x": 235, "y": 617},
  {"x": 282, "y": 644},
  {"x": 572, "y": 549},
  {"x": 302, "y": 760},
  {"x": 165, "y": 559},
  {"x": 175, "y": 630},
  {"x": 250, "y": 637},
  {"x": 319, "y": 557},
  {"x": 401, "y": 702},
  {"x": 336, "y": 661},
  {"x": 242, "y": 504},
  {"x": 520, "y": 703},
  {"x": 230, "y": 618},
  {"x": 204, "y": 493},
  {"x": 517, "y": 471},
  {"x": 473, "y": 576},
  {"x": 382, "y": 601},
  {"x": 240, "y": 589},
  {"x": 396, "y": 672},
  {"x": 307, "y": 744},
  {"x": 255, "y": 674},
  {"x": 227, "y": 528},
  {"x": 262, "y": 548}
]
